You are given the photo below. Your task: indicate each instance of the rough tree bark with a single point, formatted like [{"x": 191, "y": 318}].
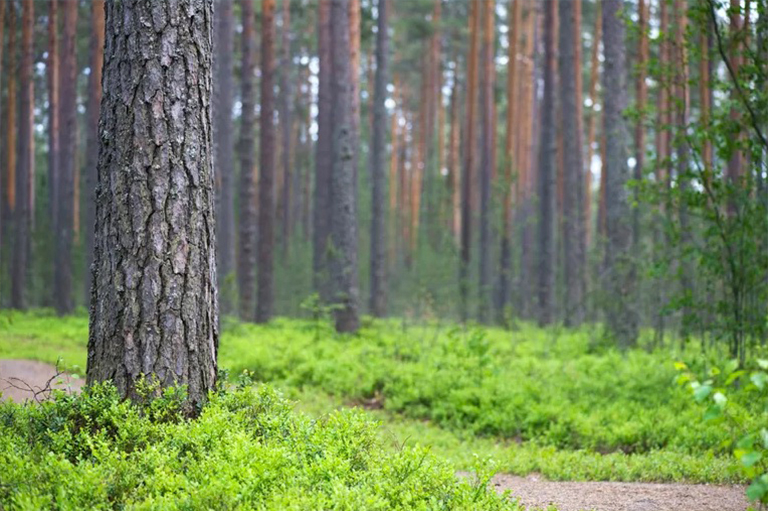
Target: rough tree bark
[
  {"x": 2, "y": 184},
  {"x": 154, "y": 306},
  {"x": 547, "y": 175},
  {"x": 246, "y": 257},
  {"x": 343, "y": 252},
  {"x": 266, "y": 247},
  {"x": 323, "y": 155},
  {"x": 378, "y": 299},
  {"x": 9, "y": 174},
  {"x": 223, "y": 86},
  {"x": 486, "y": 165},
  {"x": 96, "y": 52},
  {"x": 641, "y": 96},
  {"x": 592, "y": 125},
  {"x": 621, "y": 317},
  {"x": 573, "y": 167},
  {"x": 66, "y": 183},
  {"x": 285, "y": 125}
]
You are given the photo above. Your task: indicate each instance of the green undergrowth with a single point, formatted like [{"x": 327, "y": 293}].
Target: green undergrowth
[
  {"x": 558, "y": 403},
  {"x": 248, "y": 449}
]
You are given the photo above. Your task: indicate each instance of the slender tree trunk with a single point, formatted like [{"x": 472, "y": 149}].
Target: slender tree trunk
[
  {"x": 734, "y": 168},
  {"x": 266, "y": 246},
  {"x": 18, "y": 280},
  {"x": 66, "y": 183},
  {"x": 547, "y": 175},
  {"x": 594, "y": 73},
  {"x": 96, "y": 52},
  {"x": 223, "y": 87},
  {"x": 620, "y": 272},
  {"x": 512, "y": 133},
  {"x": 52, "y": 75},
  {"x": 246, "y": 264},
  {"x": 454, "y": 164},
  {"x": 2, "y": 174},
  {"x": 324, "y": 154},
  {"x": 285, "y": 124},
  {"x": 573, "y": 167},
  {"x": 469, "y": 161},
  {"x": 485, "y": 288},
  {"x": 641, "y": 96},
  {"x": 393, "y": 177},
  {"x": 154, "y": 307},
  {"x": 378, "y": 300},
  {"x": 343, "y": 260},
  {"x": 354, "y": 64},
  {"x": 25, "y": 164}
]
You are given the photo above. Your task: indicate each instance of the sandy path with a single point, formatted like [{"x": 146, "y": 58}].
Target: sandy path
[
  {"x": 17, "y": 376},
  {"x": 535, "y": 492}
]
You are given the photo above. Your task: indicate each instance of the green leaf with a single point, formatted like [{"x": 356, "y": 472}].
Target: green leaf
[
  {"x": 731, "y": 366},
  {"x": 712, "y": 413},
  {"x": 757, "y": 490},
  {"x": 702, "y": 392},
  {"x": 764, "y": 437},
  {"x": 751, "y": 458},
  {"x": 759, "y": 379},
  {"x": 762, "y": 363},
  {"x": 734, "y": 376},
  {"x": 680, "y": 366},
  {"x": 720, "y": 398}
]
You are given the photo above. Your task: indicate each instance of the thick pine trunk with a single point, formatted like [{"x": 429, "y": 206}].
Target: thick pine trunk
[
  {"x": 225, "y": 167},
  {"x": 154, "y": 306},
  {"x": 246, "y": 257},
  {"x": 96, "y": 51},
  {"x": 343, "y": 252},
  {"x": 266, "y": 246},
  {"x": 378, "y": 299},
  {"x": 66, "y": 183},
  {"x": 573, "y": 167},
  {"x": 53, "y": 82},
  {"x": 286, "y": 128},
  {"x": 619, "y": 278},
  {"x": 547, "y": 175},
  {"x": 323, "y": 154}
]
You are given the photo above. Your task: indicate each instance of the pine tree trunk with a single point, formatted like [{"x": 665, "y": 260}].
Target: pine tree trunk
[
  {"x": 323, "y": 155},
  {"x": 594, "y": 72},
  {"x": 621, "y": 317},
  {"x": 96, "y": 52},
  {"x": 154, "y": 307},
  {"x": 66, "y": 183},
  {"x": 266, "y": 246},
  {"x": 486, "y": 114},
  {"x": 573, "y": 165},
  {"x": 223, "y": 87},
  {"x": 53, "y": 82},
  {"x": 378, "y": 299},
  {"x": 354, "y": 64},
  {"x": 285, "y": 124},
  {"x": 469, "y": 161},
  {"x": 343, "y": 252},
  {"x": 2, "y": 174},
  {"x": 246, "y": 257},
  {"x": 547, "y": 175}
]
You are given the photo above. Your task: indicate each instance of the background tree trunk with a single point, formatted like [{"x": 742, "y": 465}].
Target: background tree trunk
[
  {"x": 324, "y": 153},
  {"x": 488, "y": 129},
  {"x": 620, "y": 311},
  {"x": 225, "y": 167},
  {"x": 343, "y": 259},
  {"x": 285, "y": 124},
  {"x": 53, "y": 82},
  {"x": 573, "y": 164},
  {"x": 246, "y": 262},
  {"x": 378, "y": 300},
  {"x": 547, "y": 175},
  {"x": 154, "y": 307},
  {"x": 265, "y": 293},
  {"x": 96, "y": 51},
  {"x": 66, "y": 184}
]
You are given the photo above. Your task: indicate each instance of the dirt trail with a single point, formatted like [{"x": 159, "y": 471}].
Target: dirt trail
[
  {"x": 536, "y": 492},
  {"x": 532, "y": 491},
  {"x": 21, "y": 379}
]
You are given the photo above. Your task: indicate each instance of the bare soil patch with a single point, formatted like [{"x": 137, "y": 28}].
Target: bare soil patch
[{"x": 22, "y": 380}]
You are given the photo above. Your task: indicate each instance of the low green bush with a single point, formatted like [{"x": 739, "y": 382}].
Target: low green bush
[{"x": 248, "y": 449}]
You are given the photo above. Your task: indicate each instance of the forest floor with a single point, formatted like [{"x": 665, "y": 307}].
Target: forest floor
[{"x": 20, "y": 379}]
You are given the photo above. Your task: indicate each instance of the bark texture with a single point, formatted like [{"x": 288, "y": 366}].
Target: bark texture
[
  {"x": 96, "y": 51},
  {"x": 266, "y": 247},
  {"x": 54, "y": 129},
  {"x": 223, "y": 87},
  {"x": 621, "y": 317},
  {"x": 343, "y": 253},
  {"x": 486, "y": 166},
  {"x": 324, "y": 154},
  {"x": 246, "y": 257},
  {"x": 154, "y": 306},
  {"x": 547, "y": 175},
  {"x": 573, "y": 165},
  {"x": 289, "y": 183},
  {"x": 378, "y": 300}
]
